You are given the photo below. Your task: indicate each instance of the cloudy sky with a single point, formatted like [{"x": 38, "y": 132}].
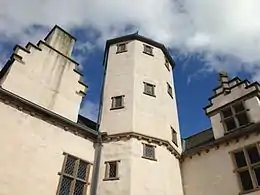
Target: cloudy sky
[{"x": 204, "y": 36}]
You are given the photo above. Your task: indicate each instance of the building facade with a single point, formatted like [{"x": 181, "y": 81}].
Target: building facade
[{"x": 135, "y": 147}]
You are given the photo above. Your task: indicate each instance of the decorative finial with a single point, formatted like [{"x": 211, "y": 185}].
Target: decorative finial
[{"x": 223, "y": 77}]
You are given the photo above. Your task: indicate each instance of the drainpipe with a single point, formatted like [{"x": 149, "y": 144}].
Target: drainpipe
[{"x": 98, "y": 144}]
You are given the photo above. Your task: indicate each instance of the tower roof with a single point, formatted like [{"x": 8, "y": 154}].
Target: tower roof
[{"x": 136, "y": 36}]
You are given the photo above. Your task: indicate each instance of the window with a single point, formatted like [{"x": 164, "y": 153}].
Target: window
[
  {"x": 149, "y": 89},
  {"x": 111, "y": 170},
  {"x": 247, "y": 163},
  {"x": 148, "y": 50},
  {"x": 234, "y": 116},
  {"x": 121, "y": 47},
  {"x": 167, "y": 64},
  {"x": 169, "y": 89},
  {"x": 174, "y": 136},
  {"x": 149, "y": 151},
  {"x": 73, "y": 176},
  {"x": 117, "y": 102}
]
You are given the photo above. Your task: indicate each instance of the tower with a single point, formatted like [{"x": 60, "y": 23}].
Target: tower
[{"x": 139, "y": 121}]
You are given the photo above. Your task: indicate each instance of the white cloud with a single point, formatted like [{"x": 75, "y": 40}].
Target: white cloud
[
  {"x": 222, "y": 32},
  {"x": 89, "y": 110}
]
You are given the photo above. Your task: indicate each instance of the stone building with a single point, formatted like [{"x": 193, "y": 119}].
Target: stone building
[{"x": 135, "y": 146}]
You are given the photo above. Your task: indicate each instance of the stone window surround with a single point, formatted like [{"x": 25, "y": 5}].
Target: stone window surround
[
  {"x": 248, "y": 167},
  {"x": 119, "y": 49},
  {"x": 145, "y": 145},
  {"x": 113, "y": 103},
  {"x": 74, "y": 176},
  {"x": 107, "y": 169},
  {"x": 174, "y": 136},
  {"x": 169, "y": 89},
  {"x": 148, "y": 50},
  {"x": 146, "y": 84},
  {"x": 234, "y": 116}
]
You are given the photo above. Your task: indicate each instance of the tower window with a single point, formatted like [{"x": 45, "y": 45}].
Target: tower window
[
  {"x": 234, "y": 116},
  {"x": 149, "y": 89},
  {"x": 148, "y": 50},
  {"x": 74, "y": 176},
  {"x": 174, "y": 136},
  {"x": 167, "y": 64},
  {"x": 149, "y": 151},
  {"x": 247, "y": 167},
  {"x": 121, "y": 47},
  {"x": 111, "y": 170},
  {"x": 117, "y": 102},
  {"x": 169, "y": 89}
]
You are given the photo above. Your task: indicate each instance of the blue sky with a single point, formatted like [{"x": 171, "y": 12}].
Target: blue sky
[{"x": 203, "y": 36}]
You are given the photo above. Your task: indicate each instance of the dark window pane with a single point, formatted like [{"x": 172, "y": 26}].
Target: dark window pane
[
  {"x": 246, "y": 180},
  {"x": 253, "y": 154},
  {"x": 112, "y": 169},
  {"x": 65, "y": 186},
  {"x": 230, "y": 124},
  {"x": 70, "y": 164},
  {"x": 242, "y": 119},
  {"x": 82, "y": 170},
  {"x": 121, "y": 47},
  {"x": 149, "y": 89},
  {"x": 240, "y": 159},
  {"x": 238, "y": 107},
  {"x": 148, "y": 49},
  {"x": 79, "y": 188},
  {"x": 149, "y": 151},
  {"x": 227, "y": 113},
  {"x": 169, "y": 89},
  {"x": 257, "y": 174}
]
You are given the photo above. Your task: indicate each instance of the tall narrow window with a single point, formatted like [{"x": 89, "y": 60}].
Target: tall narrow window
[
  {"x": 247, "y": 163},
  {"x": 111, "y": 170},
  {"x": 234, "y": 116},
  {"x": 148, "y": 50},
  {"x": 169, "y": 89},
  {"x": 149, "y": 89},
  {"x": 149, "y": 151},
  {"x": 117, "y": 102},
  {"x": 73, "y": 176},
  {"x": 167, "y": 64},
  {"x": 121, "y": 47},
  {"x": 174, "y": 136}
]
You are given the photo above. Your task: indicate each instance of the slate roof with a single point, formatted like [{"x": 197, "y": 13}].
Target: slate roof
[{"x": 87, "y": 122}]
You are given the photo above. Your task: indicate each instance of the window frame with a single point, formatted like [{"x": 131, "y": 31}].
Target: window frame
[
  {"x": 148, "y": 52},
  {"x": 113, "y": 102},
  {"x": 107, "y": 169},
  {"x": 174, "y": 136},
  {"x": 150, "y": 85},
  {"x": 167, "y": 64},
  {"x": 169, "y": 90},
  {"x": 145, "y": 145},
  {"x": 118, "y": 46},
  {"x": 234, "y": 116},
  {"x": 74, "y": 175},
  {"x": 248, "y": 167}
]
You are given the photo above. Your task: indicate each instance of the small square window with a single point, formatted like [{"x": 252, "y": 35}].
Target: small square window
[
  {"x": 167, "y": 64},
  {"x": 169, "y": 89},
  {"x": 149, "y": 89},
  {"x": 149, "y": 151},
  {"x": 117, "y": 102},
  {"x": 111, "y": 170},
  {"x": 121, "y": 47},
  {"x": 227, "y": 113},
  {"x": 239, "y": 107},
  {"x": 148, "y": 50},
  {"x": 174, "y": 136}
]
